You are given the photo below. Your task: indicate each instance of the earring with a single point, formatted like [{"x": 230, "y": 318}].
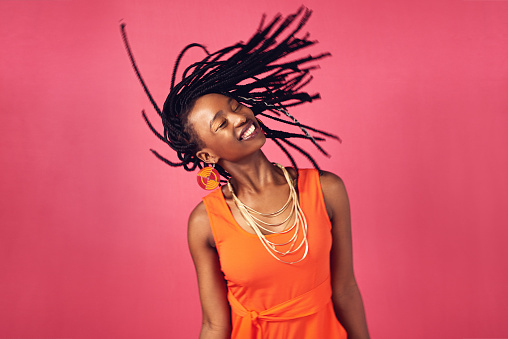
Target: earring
[
  {"x": 208, "y": 178},
  {"x": 260, "y": 124}
]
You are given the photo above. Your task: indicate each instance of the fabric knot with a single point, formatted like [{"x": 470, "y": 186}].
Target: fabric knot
[{"x": 254, "y": 317}]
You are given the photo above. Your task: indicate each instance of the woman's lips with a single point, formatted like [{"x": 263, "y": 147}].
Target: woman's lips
[
  {"x": 252, "y": 134},
  {"x": 249, "y": 131}
]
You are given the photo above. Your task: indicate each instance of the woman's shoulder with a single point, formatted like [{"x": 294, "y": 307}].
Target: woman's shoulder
[
  {"x": 198, "y": 218},
  {"x": 198, "y": 212},
  {"x": 330, "y": 179},
  {"x": 331, "y": 184},
  {"x": 334, "y": 191},
  {"x": 199, "y": 225}
]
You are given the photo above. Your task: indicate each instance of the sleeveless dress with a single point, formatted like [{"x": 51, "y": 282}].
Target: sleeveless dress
[{"x": 270, "y": 299}]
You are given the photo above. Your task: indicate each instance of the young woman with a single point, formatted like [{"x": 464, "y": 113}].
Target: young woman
[{"x": 272, "y": 247}]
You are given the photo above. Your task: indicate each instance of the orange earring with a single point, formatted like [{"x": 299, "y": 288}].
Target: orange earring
[
  {"x": 208, "y": 178},
  {"x": 260, "y": 127}
]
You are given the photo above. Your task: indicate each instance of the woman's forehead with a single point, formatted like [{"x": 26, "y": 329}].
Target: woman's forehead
[
  {"x": 209, "y": 105},
  {"x": 212, "y": 99}
]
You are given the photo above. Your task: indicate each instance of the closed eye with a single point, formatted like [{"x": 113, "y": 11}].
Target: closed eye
[
  {"x": 221, "y": 125},
  {"x": 238, "y": 107}
]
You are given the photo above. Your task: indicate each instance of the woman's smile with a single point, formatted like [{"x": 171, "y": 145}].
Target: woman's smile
[{"x": 249, "y": 131}]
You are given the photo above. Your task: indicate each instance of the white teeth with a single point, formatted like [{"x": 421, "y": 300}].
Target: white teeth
[{"x": 248, "y": 132}]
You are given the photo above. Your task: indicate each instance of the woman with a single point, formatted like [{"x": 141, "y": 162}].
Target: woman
[{"x": 272, "y": 248}]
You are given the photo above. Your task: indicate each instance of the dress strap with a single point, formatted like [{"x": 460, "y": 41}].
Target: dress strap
[{"x": 304, "y": 305}]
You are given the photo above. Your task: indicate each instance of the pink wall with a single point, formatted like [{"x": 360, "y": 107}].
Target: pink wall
[{"x": 93, "y": 235}]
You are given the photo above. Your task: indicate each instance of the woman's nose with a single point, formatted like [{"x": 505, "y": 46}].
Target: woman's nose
[{"x": 238, "y": 119}]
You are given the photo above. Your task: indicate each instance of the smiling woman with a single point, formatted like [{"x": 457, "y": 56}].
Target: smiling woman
[
  {"x": 272, "y": 248},
  {"x": 229, "y": 129},
  {"x": 251, "y": 73}
]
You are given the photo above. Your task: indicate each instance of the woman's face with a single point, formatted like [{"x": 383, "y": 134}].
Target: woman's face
[{"x": 228, "y": 129}]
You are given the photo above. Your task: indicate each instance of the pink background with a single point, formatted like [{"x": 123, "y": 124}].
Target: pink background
[{"x": 93, "y": 230}]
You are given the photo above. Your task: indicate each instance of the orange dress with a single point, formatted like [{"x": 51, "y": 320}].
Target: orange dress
[{"x": 270, "y": 299}]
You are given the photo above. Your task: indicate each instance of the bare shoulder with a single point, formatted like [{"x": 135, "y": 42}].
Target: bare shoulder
[
  {"x": 198, "y": 214},
  {"x": 334, "y": 192},
  {"x": 199, "y": 229},
  {"x": 331, "y": 183}
]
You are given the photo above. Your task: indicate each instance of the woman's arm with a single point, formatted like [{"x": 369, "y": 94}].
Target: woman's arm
[
  {"x": 212, "y": 286},
  {"x": 347, "y": 299}
]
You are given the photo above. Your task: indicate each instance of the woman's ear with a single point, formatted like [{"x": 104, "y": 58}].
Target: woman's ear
[{"x": 206, "y": 156}]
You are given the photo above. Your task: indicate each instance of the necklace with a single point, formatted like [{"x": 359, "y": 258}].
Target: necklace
[{"x": 248, "y": 213}]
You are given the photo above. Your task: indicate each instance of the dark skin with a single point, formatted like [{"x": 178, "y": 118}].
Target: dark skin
[{"x": 222, "y": 124}]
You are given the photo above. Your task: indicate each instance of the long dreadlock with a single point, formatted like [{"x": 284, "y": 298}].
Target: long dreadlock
[{"x": 249, "y": 73}]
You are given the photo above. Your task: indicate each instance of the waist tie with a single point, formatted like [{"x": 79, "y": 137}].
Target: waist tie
[{"x": 298, "y": 307}]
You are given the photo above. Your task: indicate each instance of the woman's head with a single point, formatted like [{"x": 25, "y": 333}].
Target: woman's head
[
  {"x": 249, "y": 74},
  {"x": 225, "y": 129}
]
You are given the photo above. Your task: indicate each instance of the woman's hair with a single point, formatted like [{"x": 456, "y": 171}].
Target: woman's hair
[{"x": 254, "y": 74}]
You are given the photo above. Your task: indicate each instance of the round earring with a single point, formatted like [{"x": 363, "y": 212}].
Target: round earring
[{"x": 208, "y": 178}]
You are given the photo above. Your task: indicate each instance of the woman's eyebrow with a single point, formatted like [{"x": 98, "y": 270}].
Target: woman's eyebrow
[{"x": 219, "y": 113}]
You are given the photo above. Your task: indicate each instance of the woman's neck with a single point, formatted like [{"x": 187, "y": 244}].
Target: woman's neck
[{"x": 253, "y": 174}]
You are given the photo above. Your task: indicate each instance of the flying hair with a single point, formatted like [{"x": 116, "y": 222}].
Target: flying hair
[{"x": 252, "y": 73}]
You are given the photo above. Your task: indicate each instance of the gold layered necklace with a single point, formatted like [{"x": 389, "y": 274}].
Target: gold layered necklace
[{"x": 251, "y": 217}]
